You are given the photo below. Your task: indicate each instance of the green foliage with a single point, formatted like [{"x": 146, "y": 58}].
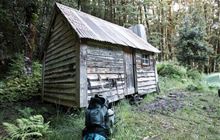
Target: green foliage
[
  {"x": 27, "y": 128},
  {"x": 17, "y": 66},
  {"x": 26, "y": 112},
  {"x": 69, "y": 124},
  {"x": 198, "y": 86},
  {"x": 192, "y": 48},
  {"x": 19, "y": 86},
  {"x": 172, "y": 76},
  {"x": 194, "y": 74},
  {"x": 171, "y": 70},
  {"x": 167, "y": 84}
]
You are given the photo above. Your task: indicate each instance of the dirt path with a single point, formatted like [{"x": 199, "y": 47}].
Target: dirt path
[{"x": 172, "y": 102}]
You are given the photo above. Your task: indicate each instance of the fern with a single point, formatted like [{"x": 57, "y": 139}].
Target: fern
[
  {"x": 27, "y": 128},
  {"x": 26, "y": 112}
]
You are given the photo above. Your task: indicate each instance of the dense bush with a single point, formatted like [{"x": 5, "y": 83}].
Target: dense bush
[
  {"x": 19, "y": 86},
  {"x": 171, "y": 70},
  {"x": 194, "y": 74}
]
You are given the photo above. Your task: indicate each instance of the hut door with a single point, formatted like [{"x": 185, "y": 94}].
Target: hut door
[{"x": 129, "y": 70}]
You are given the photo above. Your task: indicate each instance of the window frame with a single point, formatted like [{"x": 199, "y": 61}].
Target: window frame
[{"x": 145, "y": 59}]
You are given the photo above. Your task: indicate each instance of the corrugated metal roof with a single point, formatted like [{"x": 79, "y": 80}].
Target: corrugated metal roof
[{"x": 88, "y": 26}]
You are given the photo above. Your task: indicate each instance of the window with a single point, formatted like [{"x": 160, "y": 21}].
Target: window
[{"x": 145, "y": 59}]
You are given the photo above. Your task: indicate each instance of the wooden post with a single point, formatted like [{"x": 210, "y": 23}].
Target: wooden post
[
  {"x": 134, "y": 70},
  {"x": 82, "y": 76}
]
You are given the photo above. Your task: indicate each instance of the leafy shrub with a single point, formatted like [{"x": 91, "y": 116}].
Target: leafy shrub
[
  {"x": 171, "y": 70},
  {"x": 27, "y": 128},
  {"x": 194, "y": 74},
  {"x": 19, "y": 86},
  {"x": 198, "y": 86}
]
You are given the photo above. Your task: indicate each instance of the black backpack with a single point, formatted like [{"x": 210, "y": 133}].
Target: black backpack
[{"x": 97, "y": 113}]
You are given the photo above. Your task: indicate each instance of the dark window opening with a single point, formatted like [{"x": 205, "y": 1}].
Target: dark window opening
[{"x": 145, "y": 59}]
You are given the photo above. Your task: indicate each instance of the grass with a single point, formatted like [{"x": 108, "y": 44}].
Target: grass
[{"x": 199, "y": 119}]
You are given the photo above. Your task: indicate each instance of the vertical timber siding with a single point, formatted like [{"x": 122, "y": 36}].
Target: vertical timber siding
[
  {"x": 59, "y": 73},
  {"x": 146, "y": 78},
  {"x": 105, "y": 71},
  {"x": 129, "y": 71}
]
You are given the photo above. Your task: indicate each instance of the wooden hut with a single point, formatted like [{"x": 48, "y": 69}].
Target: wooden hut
[{"x": 85, "y": 55}]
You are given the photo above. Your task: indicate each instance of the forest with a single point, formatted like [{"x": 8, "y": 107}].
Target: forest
[
  {"x": 173, "y": 26},
  {"x": 187, "y": 32}
]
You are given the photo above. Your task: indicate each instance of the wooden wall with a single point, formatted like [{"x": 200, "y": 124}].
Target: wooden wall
[
  {"x": 59, "y": 72},
  {"x": 146, "y": 74},
  {"x": 105, "y": 71}
]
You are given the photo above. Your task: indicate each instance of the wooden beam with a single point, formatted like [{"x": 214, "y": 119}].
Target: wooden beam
[{"x": 83, "y": 75}]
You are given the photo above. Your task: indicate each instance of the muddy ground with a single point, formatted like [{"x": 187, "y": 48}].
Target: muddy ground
[{"x": 172, "y": 102}]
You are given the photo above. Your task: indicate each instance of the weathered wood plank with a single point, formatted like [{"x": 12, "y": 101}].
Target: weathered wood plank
[
  {"x": 144, "y": 67},
  {"x": 61, "y": 59},
  {"x": 65, "y": 52},
  {"x": 105, "y": 58},
  {"x": 146, "y": 74},
  {"x": 147, "y": 83},
  {"x": 146, "y": 91},
  {"x": 103, "y": 64},
  {"x": 105, "y": 70},
  {"x": 61, "y": 75},
  {"x": 60, "y": 102},
  {"x": 61, "y": 85},
  {"x": 59, "y": 37},
  {"x": 147, "y": 87},
  {"x": 68, "y": 80},
  {"x": 71, "y": 91},
  {"x": 59, "y": 18},
  {"x": 107, "y": 89},
  {"x": 69, "y": 62},
  {"x": 57, "y": 43},
  {"x": 115, "y": 98},
  {"x": 102, "y": 50},
  {"x": 106, "y": 61},
  {"x": 61, "y": 70},
  {"x": 101, "y": 86},
  {"x": 107, "y": 54},
  {"x": 145, "y": 79},
  {"x": 105, "y": 76},
  {"x": 57, "y": 25},
  {"x": 144, "y": 71},
  {"x": 58, "y": 29},
  {"x": 61, "y": 96},
  {"x": 96, "y": 83},
  {"x": 106, "y": 67},
  {"x": 106, "y": 94},
  {"x": 68, "y": 40},
  {"x": 69, "y": 44}
]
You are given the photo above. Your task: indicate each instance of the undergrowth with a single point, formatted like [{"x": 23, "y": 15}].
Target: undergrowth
[{"x": 17, "y": 85}]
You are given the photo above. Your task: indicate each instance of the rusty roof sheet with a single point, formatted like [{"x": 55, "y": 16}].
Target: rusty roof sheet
[{"x": 91, "y": 27}]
